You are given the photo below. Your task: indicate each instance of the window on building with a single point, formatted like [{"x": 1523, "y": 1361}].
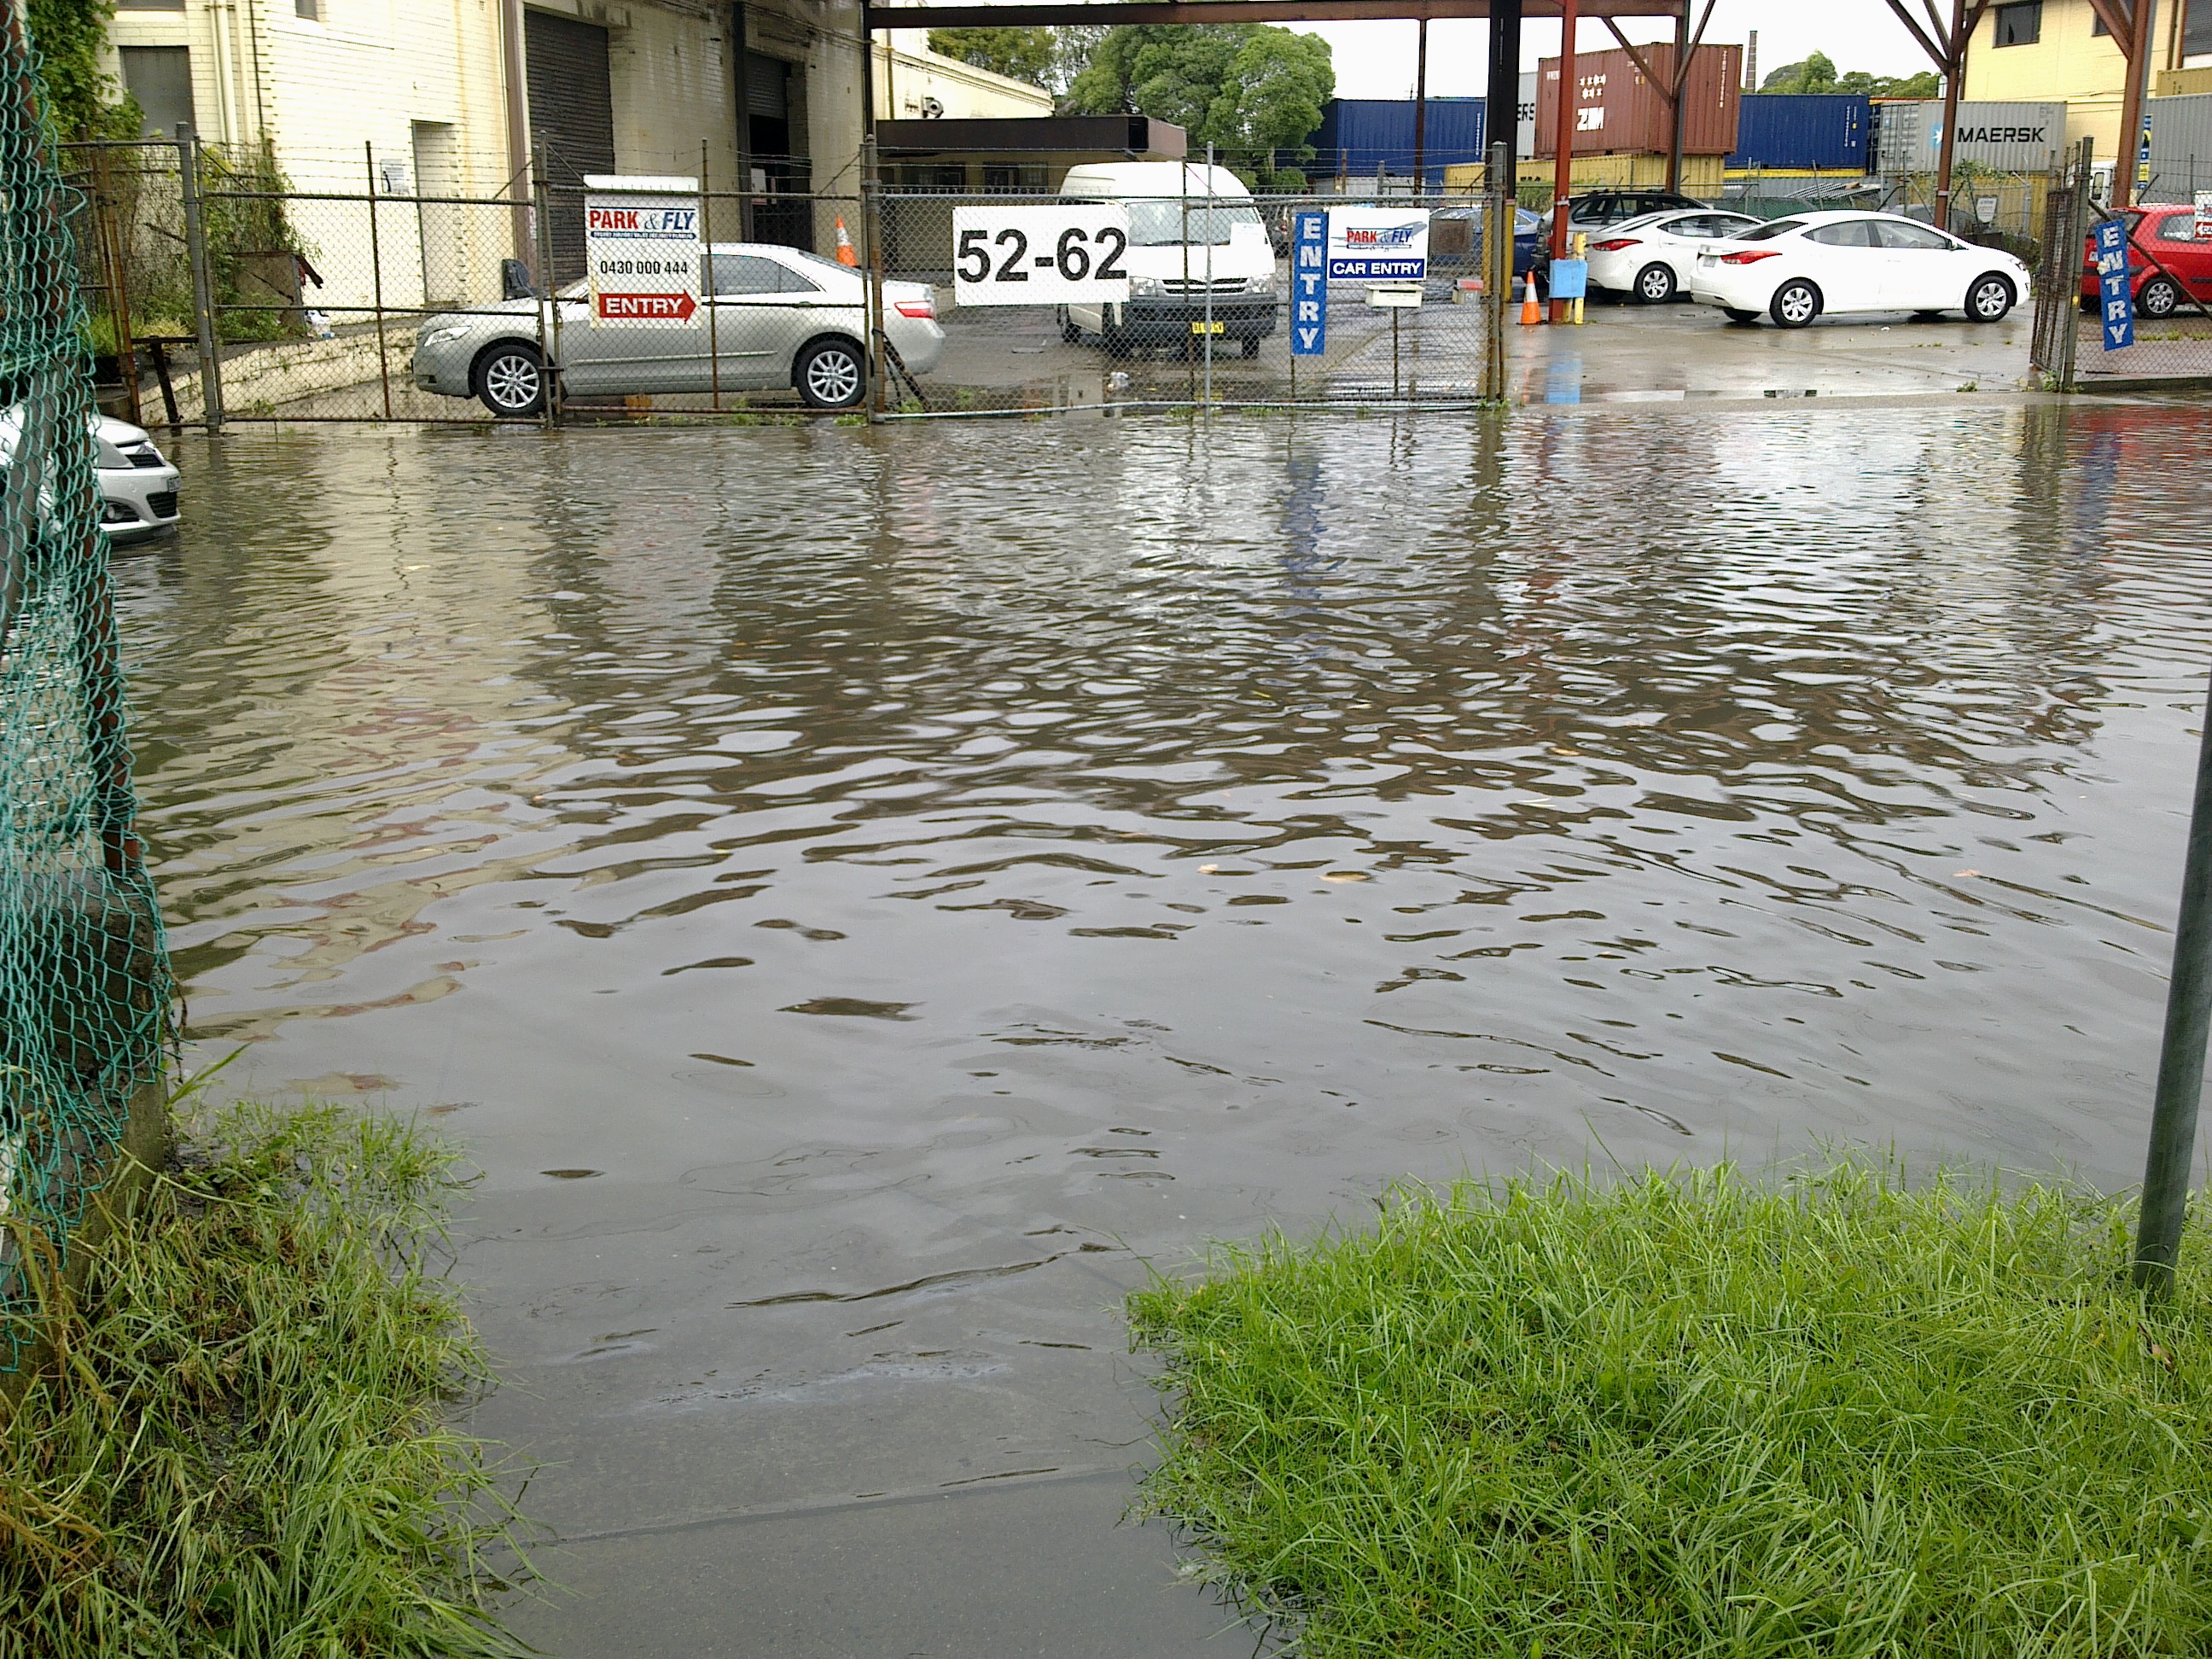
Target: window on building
[
  {"x": 160, "y": 79},
  {"x": 2196, "y": 29},
  {"x": 2097, "y": 24},
  {"x": 150, "y": 5},
  {"x": 310, "y": 9},
  {"x": 2020, "y": 24}
]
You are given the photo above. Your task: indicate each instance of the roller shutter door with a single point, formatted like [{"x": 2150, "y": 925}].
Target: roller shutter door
[{"x": 572, "y": 115}]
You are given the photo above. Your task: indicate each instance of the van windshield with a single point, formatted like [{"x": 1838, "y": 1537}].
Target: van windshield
[{"x": 1171, "y": 223}]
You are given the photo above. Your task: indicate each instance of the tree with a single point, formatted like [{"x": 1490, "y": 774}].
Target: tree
[
  {"x": 1817, "y": 74},
  {"x": 1021, "y": 54},
  {"x": 70, "y": 35},
  {"x": 1252, "y": 91}
]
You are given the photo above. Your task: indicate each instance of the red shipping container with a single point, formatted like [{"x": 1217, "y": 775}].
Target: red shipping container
[{"x": 1618, "y": 110}]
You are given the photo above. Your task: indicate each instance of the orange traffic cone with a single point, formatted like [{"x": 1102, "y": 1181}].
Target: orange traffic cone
[
  {"x": 1531, "y": 313},
  {"x": 847, "y": 257}
]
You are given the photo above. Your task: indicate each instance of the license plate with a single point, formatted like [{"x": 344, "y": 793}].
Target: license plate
[{"x": 1209, "y": 328}]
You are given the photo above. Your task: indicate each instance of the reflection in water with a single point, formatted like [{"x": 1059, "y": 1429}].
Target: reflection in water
[{"x": 877, "y": 853}]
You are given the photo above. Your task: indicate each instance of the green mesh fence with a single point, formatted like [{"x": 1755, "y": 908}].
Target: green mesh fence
[{"x": 84, "y": 985}]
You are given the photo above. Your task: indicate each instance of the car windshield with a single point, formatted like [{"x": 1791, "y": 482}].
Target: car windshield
[
  {"x": 1189, "y": 222},
  {"x": 1770, "y": 230}
]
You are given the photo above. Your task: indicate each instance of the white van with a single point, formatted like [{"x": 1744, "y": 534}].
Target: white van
[{"x": 1194, "y": 236}]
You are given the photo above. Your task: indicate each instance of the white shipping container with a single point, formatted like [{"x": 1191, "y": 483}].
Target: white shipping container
[
  {"x": 1524, "y": 129},
  {"x": 2008, "y": 137},
  {"x": 2180, "y": 148}
]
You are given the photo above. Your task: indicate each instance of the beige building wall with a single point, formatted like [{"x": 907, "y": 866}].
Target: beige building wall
[
  {"x": 2070, "y": 62},
  {"x": 914, "y": 83}
]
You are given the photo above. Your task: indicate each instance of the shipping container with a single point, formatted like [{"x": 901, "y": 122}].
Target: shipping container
[
  {"x": 2180, "y": 148},
  {"x": 1524, "y": 125},
  {"x": 1701, "y": 174},
  {"x": 1809, "y": 131},
  {"x": 1367, "y": 137},
  {"x": 1617, "y": 110},
  {"x": 2007, "y": 137}
]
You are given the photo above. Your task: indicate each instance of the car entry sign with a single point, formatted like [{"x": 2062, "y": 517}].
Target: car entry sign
[
  {"x": 2115, "y": 292},
  {"x": 642, "y": 249},
  {"x": 1378, "y": 245}
]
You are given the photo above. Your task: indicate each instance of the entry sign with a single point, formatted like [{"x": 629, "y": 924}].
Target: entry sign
[
  {"x": 2203, "y": 226},
  {"x": 2115, "y": 292},
  {"x": 1308, "y": 285},
  {"x": 1378, "y": 245},
  {"x": 641, "y": 249},
  {"x": 1066, "y": 253}
]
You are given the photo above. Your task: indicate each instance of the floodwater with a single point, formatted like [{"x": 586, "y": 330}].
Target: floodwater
[{"x": 861, "y": 895}]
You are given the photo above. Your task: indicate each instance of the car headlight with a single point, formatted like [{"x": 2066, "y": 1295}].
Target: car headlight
[
  {"x": 440, "y": 335},
  {"x": 1147, "y": 285}
]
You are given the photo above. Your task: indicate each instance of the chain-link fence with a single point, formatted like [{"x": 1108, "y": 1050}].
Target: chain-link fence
[
  {"x": 84, "y": 985},
  {"x": 1212, "y": 307}
]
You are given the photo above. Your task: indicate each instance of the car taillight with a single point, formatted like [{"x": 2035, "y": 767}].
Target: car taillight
[
  {"x": 915, "y": 307},
  {"x": 1613, "y": 244},
  {"x": 1750, "y": 256}
]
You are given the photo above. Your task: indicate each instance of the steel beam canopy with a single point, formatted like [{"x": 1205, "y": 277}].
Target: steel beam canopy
[{"x": 934, "y": 14}]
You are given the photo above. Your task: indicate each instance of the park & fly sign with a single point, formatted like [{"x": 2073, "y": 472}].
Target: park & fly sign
[
  {"x": 641, "y": 252},
  {"x": 1378, "y": 245}
]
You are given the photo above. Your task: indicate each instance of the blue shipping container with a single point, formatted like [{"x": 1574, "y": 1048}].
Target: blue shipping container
[
  {"x": 1826, "y": 130},
  {"x": 1359, "y": 137}
]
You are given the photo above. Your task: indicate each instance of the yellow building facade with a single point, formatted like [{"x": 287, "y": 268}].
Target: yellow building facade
[{"x": 2057, "y": 50}]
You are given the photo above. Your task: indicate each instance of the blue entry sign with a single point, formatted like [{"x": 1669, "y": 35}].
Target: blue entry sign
[
  {"x": 1569, "y": 279},
  {"x": 2115, "y": 292},
  {"x": 1308, "y": 285}
]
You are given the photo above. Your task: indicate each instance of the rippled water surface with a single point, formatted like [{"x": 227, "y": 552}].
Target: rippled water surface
[{"x": 855, "y": 891}]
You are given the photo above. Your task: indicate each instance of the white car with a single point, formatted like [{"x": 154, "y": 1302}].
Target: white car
[
  {"x": 1649, "y": 258},
  {"x": 1796, "y": 269},
  {"x": 137, "y": 484}
]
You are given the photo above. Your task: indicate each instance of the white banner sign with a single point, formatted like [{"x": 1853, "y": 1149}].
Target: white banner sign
[
  {"x": 641, "y": 249},
  {"x": 1062, "y": 254},
  {"x": 1378, "y": 245},
  {"x": 2203, "y": 226}
]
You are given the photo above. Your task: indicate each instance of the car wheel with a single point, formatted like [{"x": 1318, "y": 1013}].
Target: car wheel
[
  {"x": 1115, "y": 332},
  {"x": 1654, "y": 284},
  {"x": 830, "y": 375},
  {"x": 1251, "y": 345},
  {"x": 510, "y": 379},
  {"x": 1737, "y": 316},
  {"x": 2158, "y": 297},
  {"x": 1988, "y": 298},
  {"x": 1795, "y": 303},
  {"x": 1070, "y": 330}
]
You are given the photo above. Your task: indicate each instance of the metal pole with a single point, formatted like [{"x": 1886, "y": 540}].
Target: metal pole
[
  {"x": 706, "y": 283},
  {"x": 1953, "y": 72},
  {"x": 1501, "y": 115},
  {"x": 2181, "y": 1055},
  {"x": 376, "y": 278},
  {"x": 188, "y": 185},
  {"x": 2137, "y": 52},
  {"x": 548, "y": 296},
  {"x": 1421, "y": 108},
  {"x": 1497, "y": 283},
  {"x": 1680, "y": 70},
  {"x": 1563, "y": 123},
  {"x": 872, "y": 208},
  {"x": 515, "y": 72},
  {"x": 1209, "y": 277}
]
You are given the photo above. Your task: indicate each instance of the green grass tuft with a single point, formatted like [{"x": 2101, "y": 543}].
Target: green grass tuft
[
  {"x": 1692, "y": 1414},
  {"x": 242, "y": 1447}
]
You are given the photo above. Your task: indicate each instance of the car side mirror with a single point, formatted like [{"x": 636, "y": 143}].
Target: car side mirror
[{"x": 515, "y": 282}]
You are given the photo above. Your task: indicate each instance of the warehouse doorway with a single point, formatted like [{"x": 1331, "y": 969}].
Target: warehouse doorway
[{"x": 572, "y": 120}]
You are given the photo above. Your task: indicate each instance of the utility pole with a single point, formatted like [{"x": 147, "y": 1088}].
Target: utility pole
[
  {"x": 1501, "y": 113},
  {"x": 1421, "y": 109},
  {"x": 1952, "y": 76},
  {"x": 1564, "y": 130}
]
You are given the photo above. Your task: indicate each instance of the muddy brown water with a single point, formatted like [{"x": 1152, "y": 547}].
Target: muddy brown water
[{"x": 861, "y": 894}]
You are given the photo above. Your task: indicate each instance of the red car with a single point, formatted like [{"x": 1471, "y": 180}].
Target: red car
[{"x": 2167, "y": 234}]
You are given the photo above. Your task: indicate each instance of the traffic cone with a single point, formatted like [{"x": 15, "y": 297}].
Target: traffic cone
[
  {"x": 845, "y": 254},
  {"x": 1531, "y": 313}
]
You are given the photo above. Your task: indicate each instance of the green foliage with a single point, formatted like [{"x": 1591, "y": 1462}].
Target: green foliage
[
  {"x": 1022, "y": 54},
  {"x": 70, "y": 36},
  {"x": 1691, "y": 1414},
  {"x": 242, "y": 1450},
  {"x": 1252, "y": 90},
  {"x": 1817, "y": 74}
]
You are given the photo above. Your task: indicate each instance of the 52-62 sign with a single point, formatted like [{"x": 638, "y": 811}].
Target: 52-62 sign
[{"x": 1040, "y": 256}]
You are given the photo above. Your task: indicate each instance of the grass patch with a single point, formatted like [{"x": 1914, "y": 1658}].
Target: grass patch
[
  {"x": 1692, "y": 1414},
  {"x": 242, "y": 1446}
]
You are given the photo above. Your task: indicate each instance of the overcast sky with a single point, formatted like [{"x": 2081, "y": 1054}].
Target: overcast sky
[{"x": 1375, "y": 60}]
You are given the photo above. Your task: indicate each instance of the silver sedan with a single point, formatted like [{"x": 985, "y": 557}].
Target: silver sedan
[{"x": 775, "y": 317}]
